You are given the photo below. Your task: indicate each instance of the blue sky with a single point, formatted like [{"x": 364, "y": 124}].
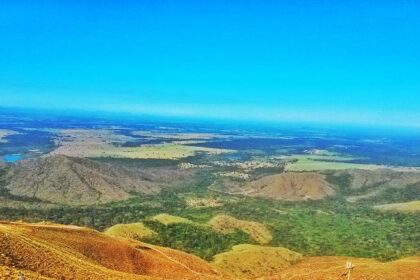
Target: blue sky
[{"x": 328, "y": 61}]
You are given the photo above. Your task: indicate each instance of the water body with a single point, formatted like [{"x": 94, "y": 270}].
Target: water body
[{"x": 12, "y": 158}]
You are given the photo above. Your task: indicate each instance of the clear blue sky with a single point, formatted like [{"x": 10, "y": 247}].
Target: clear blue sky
[{"x": 339, "y": 61}]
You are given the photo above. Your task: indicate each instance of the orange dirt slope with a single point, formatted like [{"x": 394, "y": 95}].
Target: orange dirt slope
[
  {"x": 43, "y": 251},
  {"x": 333, "y": 268}
]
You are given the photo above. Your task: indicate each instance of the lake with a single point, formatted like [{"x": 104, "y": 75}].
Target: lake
[{"x": 12, "y": 158}]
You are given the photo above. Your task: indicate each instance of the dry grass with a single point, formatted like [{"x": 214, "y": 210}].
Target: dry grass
[
  {"x": 68, "y": 252},
  {"x": 227, "y": 224},
  {"x": 67, "y": 180},
  {"x": 135, "y": 231},
  {"x": 101, "y": 143},
  {"x": 293, "y": 186},
  {"x": 166, "y": 151},
  {"x": 50, "y": 251},
  {"x": 333, "y": 268},
  {"x": 9, "y": 273},
  {"x": 405, "y": 207},
  {"x": 177, "y": 135},
  {"x": 167, "y": 219},
  {"x": 245, "y": 261},
  {"x": 324, "y": 162}
]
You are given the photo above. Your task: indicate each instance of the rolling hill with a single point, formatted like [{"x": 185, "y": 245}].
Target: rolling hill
[
  {"x": 67, "y": 180},
  {"x": 292, "y": 186},
  {"x": 386, "y": 177},
  {"x": 355, "y": 184},
  {"x": 227, "y": 224},
  {"x": 250, "y": 261},
  {"x": 134, "y": 231},
  {"x": 68, "y": 252},
  {"x": 387, "y": 184},
  {"x": 53, "y": 251}
]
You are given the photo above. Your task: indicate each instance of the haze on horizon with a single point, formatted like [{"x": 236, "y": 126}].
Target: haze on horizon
[{"x": 345, "y": 61}]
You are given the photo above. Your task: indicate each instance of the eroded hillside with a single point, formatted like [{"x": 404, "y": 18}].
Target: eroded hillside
[
  {"x": 68, "y": 252},
  {"x": 68, "y": 180},
  {"x": 293, "y": 186}
]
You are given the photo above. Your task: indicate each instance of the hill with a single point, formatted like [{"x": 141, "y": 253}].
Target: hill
[
  {"x": 69, "y": 252},
  {"x": 68, "y": 180},
  {"x": 134, "y": 231},
  {"x": 385, "y": 177},
  {"x": 227, "y": 224},
  {"x": 290, "y": 186},
  {"x": 381, "y": 185},
  {"x": 250, "y": 261},
  {"x": 355, "y": 184},
  {"x": 52, "y": 251}
]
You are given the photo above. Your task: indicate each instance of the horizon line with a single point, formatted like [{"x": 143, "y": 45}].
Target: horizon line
[{"x": 104, "y": 113}]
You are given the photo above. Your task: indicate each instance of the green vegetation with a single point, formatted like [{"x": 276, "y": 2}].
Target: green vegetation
[
  {"x": 392, "y": 195},
  {"x": 3, "y": 191},
  {"x": 257, "y": 231},
  {"x": 197, "y": 239},
  {"x": 324, "y": 162},
  {"x": 327, "y": 227},
  {"x": 341, "y": 183}
]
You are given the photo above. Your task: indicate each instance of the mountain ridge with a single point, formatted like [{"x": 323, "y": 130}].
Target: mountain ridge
[{"x": 78, "y": 181}]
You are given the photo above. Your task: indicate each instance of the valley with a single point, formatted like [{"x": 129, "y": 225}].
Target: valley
[
  {"x": 299, "y": 204},
  {"x": 210, "y": 140}
]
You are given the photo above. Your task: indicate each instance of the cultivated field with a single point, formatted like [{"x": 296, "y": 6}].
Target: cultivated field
[
  {"x": 324, "y": 162},
  {"x": 99, "y": 143},
  {"x": 405, "y": 207}
]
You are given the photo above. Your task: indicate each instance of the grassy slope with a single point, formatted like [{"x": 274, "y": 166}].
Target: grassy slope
[
  {"x": 78, "y": 253},
  {"x": 167, "y": 219},
  {"x": 51, "y": 251},
  {"x": 245, "y": 261},
  {"x": 135, "y": 231},
  {"x": 227, "y": 224},
  {"x": 332, "y": 268}
]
